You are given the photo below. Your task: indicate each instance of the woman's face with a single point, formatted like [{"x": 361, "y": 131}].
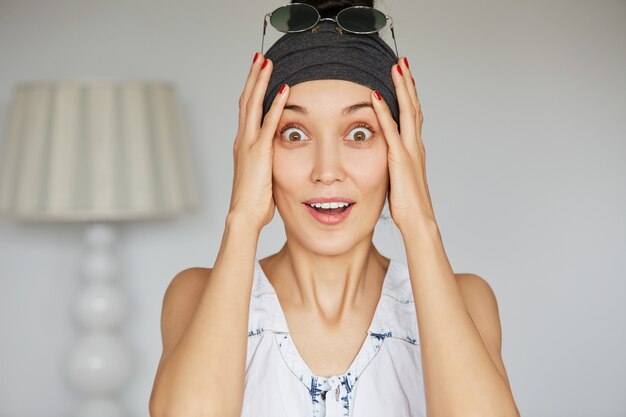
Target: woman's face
[{"x": 329, "y": 143}]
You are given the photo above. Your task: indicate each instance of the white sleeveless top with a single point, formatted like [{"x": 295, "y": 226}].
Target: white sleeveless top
[{"x": 384, "y": 379}]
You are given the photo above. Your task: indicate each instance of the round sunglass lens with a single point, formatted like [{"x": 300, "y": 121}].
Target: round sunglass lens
[
  {"x": 294, "y": 17},
  {"x": 361, "y": 19}
]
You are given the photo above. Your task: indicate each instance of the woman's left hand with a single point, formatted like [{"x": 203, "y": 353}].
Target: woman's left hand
[{"x": 409, "y": 198}]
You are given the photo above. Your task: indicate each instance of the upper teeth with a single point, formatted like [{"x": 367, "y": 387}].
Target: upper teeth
[{"x": 331, "y": 205}]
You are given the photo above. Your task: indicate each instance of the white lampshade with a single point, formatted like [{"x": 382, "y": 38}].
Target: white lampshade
[{"x": 95, "y": 150}]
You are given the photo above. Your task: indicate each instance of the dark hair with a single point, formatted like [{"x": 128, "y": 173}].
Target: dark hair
[{"x": 330, "y": 8}]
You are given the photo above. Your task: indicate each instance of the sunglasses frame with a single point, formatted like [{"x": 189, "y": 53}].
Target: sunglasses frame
[{"x": 319, "y": 19}]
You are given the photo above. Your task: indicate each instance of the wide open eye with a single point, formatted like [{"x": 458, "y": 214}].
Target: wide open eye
[
  {"x": 361, "y": 133},
  {"x": 292, "y": 133}
]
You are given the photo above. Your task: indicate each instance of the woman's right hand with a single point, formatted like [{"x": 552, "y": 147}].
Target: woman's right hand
[{"x": 251, "y": 195}]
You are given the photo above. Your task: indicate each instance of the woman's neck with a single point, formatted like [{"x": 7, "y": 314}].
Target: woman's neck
[{"x": 327, "y": 286}]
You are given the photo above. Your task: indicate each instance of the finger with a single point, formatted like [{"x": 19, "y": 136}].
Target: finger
[
  {"x": 388, "y": 125},
  {"x": 404, "y": 63},
  {"x": 417, "y": 145},
  {"x": 419, "y": 118},
  {"x": 254, "y": 106},
  {"x": 253, "y": 74},
  {"x": 408, "y": 112},
  {"x": 270, "y": 123}
]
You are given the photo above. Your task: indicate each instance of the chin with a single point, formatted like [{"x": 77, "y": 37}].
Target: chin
[
  {"x": 325, "y": 243},
  {"x": 322, "y": 239}
]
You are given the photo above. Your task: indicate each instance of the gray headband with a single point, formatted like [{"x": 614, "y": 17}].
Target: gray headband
[{"x": 306, "y": 56}]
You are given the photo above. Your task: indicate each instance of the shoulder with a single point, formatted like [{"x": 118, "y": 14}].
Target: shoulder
[
  {"x": 187, "y": 285},
  {"x": 480, "y": 301},
  {"x": 188, "y": 279},
  {"x": 180, "y": 302},
  {"x": 475, "y": 290}
]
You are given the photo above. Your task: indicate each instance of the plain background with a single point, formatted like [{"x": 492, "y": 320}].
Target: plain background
[{"x": 524, "y": 105}]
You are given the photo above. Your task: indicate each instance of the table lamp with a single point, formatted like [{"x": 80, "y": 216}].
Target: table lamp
[{"x": 96, "y": 151}]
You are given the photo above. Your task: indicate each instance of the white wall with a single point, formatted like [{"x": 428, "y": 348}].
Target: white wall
[{"x": 524, "y": 128}]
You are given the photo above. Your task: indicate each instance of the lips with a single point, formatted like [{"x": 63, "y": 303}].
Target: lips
[
  {"x": 329, "y": 216},
  {"x": 329, "y": 199}
]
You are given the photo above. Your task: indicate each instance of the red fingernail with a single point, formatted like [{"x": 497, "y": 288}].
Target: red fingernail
[
  {"x": 399, "y": 69},
  {"x": 256, "y": 55},
  {"x": 264, "y": 64},
  {"x": 406, "y": 62},
  {"x": 377, "y": 94},
  {"x": 282, "y": 88}
]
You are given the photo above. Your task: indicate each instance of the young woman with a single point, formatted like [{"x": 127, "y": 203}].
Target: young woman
[{"x": 328, "y": 326}]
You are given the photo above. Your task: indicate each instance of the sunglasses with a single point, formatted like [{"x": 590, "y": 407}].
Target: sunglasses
[{"x": 300, "y": 17}]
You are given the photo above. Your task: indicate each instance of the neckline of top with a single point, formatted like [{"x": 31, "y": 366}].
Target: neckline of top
[{"x": 374, "y": 339}]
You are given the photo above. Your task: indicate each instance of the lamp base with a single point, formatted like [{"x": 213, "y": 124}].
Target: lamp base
[{"x": 99, "y": 365}]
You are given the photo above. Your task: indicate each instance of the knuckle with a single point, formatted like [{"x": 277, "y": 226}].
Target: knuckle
[
  {"x": 405, "y": 157},
  {"x": 273, "y": 113},
  {"x": 249, "y": 104},
  {"x": 253, "y": 148}
]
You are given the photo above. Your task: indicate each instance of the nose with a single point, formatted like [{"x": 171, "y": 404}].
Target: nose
[{"x": 328, "y": 164}]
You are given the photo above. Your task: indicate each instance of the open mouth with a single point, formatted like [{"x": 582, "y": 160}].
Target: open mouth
[
  {"x": 332, "y": 210},
  {"x": 330, "y": 213}
]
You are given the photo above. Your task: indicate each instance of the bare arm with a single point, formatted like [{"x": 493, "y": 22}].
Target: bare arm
[
  {"x": 202, "y": 369},
  {"x": 458, "y": 324},
  {"x": 460, "y": 334},
  {"x": 201, "y": 372}
]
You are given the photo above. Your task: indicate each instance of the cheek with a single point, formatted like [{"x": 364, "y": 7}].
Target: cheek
[
  {"x": 286, "y": 176},
  {"x": 369, "y": 169}
]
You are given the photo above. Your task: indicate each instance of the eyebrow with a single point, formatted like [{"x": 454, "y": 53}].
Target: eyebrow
[{"x": 345, "y": 112}]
